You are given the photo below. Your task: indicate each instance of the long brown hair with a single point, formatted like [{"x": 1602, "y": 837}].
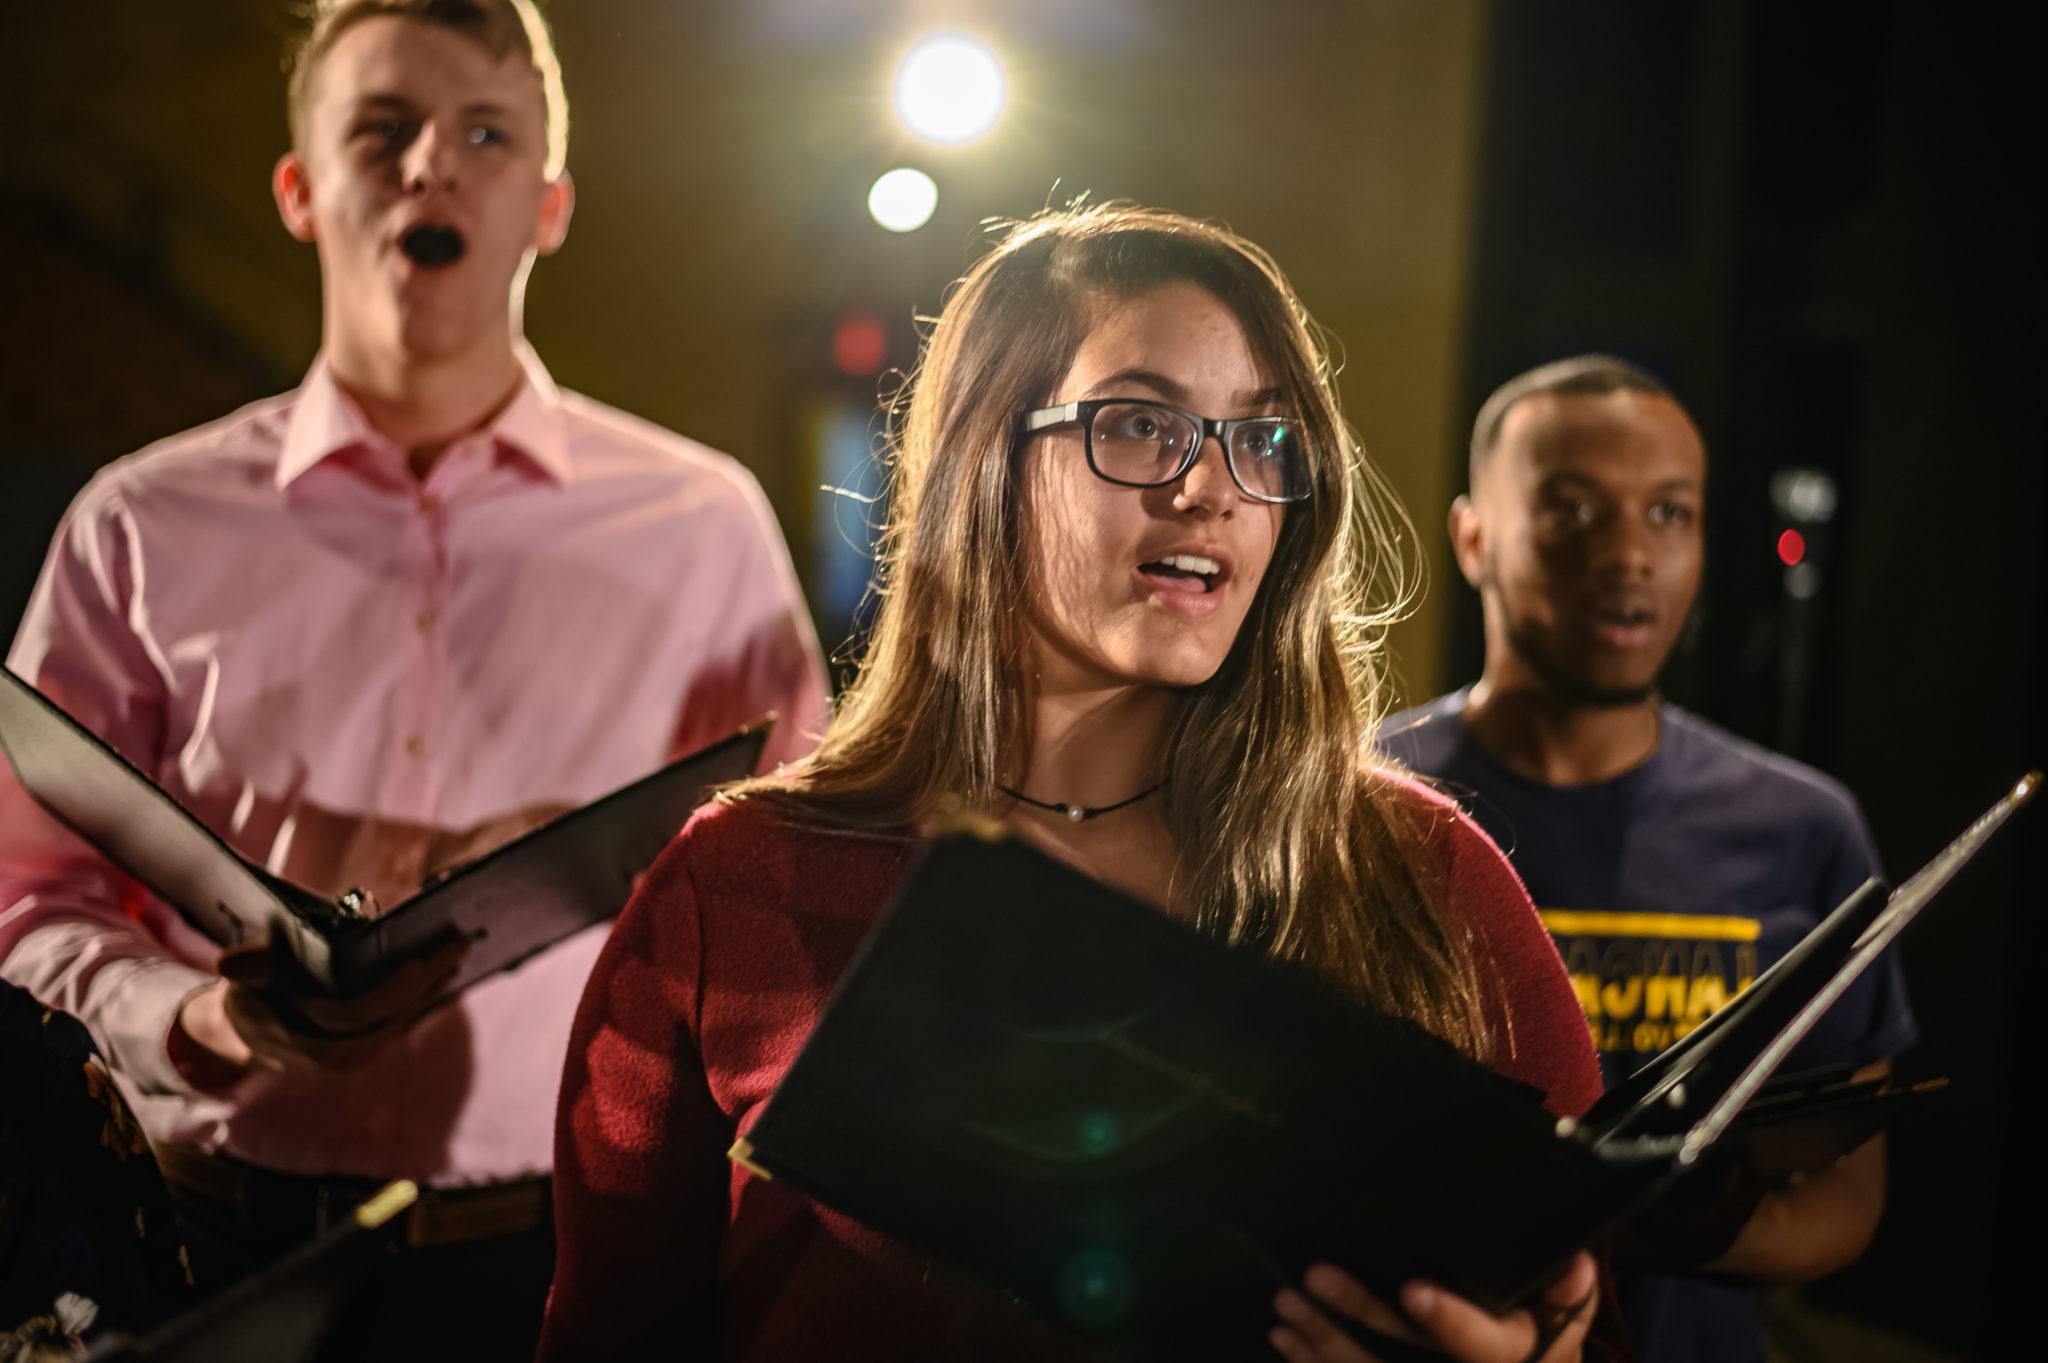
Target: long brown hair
[{"x": 1284, "y": 837}]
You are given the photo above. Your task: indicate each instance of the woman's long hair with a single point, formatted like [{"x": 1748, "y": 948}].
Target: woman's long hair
[{"x": 1285, "y": 837}]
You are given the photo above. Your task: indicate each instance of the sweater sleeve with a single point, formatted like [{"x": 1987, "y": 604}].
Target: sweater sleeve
[
  {"x": 1539, "y": 1030},
  {"x": 641, "y": 1179}
]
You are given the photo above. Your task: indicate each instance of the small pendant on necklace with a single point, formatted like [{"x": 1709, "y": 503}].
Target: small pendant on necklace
[{"x": 1075, "y": 813}]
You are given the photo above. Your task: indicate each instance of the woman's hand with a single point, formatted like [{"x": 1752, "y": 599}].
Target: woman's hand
[{"x": 1552, "y": 1331}]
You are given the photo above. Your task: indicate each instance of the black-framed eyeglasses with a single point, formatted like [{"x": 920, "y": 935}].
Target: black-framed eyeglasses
[{"x": 1135, "y": 443}]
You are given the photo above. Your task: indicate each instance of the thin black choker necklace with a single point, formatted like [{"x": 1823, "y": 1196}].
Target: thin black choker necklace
[{"x": 1078, "y": 813}]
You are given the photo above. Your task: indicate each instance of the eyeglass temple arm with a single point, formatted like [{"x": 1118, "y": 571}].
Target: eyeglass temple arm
[{"x": 1050, "y": 416}]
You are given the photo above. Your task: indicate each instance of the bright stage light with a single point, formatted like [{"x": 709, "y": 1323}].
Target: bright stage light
[
  {"x": 903, "y": 199},
  {"x": 949, "y": 89}
]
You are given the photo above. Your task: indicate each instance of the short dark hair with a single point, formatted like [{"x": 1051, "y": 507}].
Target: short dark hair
[
  {"x": 503, "y": 28},
  {"x": 1594, "y": 374}
]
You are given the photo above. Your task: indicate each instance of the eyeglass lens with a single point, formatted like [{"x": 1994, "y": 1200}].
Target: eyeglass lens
[{"x": 1139, "y": 442}]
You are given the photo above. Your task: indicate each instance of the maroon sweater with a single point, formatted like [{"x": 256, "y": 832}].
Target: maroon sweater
[{"x": 714, "y": 977}]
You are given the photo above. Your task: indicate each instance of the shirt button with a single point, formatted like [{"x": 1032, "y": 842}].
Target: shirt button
[
  {"x": 415, "y": 745},
  {"x": 425, "y": 621},
  {"x": 429, "y": 504}
]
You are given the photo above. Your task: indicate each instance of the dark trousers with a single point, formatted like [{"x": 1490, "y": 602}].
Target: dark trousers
[{"x": 474, "y": 1299}]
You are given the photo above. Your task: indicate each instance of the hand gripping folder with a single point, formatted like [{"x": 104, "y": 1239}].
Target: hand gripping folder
[
  {"x": 1143, "y": 1133},
  {"x": 572, "y": 871}
]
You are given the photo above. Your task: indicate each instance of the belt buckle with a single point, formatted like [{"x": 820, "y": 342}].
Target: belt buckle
[{"x": 332, "y": 1206}]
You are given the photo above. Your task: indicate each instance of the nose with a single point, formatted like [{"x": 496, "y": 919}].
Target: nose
[
  {"x": 1626, "y": 548},
  {"x": 429, "y": 162},
  {"x": 1206, "y": 486}
]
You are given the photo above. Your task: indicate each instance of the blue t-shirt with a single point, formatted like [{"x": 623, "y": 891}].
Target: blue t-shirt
[{"x": 1668, "y": 889}]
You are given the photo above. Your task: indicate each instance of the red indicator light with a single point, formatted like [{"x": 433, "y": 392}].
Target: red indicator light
[
  {"x": 1791, "y": 547},
  {"x": 859, "y": 346}
]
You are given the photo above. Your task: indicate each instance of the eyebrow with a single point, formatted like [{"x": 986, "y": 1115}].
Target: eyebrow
[
  {"x": 483, "y": 109},
  {"x": 1575, "y": 479},
  {"x": 1178, "y": 393}
]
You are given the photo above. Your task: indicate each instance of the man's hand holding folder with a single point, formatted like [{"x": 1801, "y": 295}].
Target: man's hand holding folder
[
  {"x": 264, "y": 1013},
  {"x": 353, "y": 958}
]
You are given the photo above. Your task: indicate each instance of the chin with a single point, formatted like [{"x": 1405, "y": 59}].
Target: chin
[
  {"x": 1177, "y": 670},
  {"x": 1619, "y": 676},
  {"x": 1601, "y": 691},
  {"x": 437, "y": 338}
]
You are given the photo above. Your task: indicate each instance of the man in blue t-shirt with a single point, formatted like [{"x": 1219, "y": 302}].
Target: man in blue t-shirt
[{"x": 1671, "y": 861}]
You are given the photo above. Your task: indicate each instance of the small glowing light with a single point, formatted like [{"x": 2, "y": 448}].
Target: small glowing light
[
  {"x": 949, "y": 89},
  {"x": 859, "y": 345},
  {"x": 903, "y": 200},
  {"x": 1804, "y": 494},
  {"x": 1791, "y": 547},
  {"x": 1096, "y": 1288},
  {"x": 1096, "y": 1133}
]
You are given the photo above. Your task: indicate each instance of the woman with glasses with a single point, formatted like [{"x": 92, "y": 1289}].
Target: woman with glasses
[{"x": 1125, "y": 608}]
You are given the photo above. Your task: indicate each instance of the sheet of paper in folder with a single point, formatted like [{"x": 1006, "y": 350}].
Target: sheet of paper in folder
[
  {"x": 1143, "y": 1134},
  {"x": 514, "y": 900}
]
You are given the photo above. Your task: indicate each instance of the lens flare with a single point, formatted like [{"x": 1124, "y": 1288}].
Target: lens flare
[
  {"x": 950, "y": 89},
  {"x": 903, "y": 199}
]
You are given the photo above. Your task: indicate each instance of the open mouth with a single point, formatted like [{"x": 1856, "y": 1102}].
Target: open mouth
[
  {"x": 432, "y": 245},
  {"x": 1625, "y": 625},
  {"x": 1185, "y": 572}
]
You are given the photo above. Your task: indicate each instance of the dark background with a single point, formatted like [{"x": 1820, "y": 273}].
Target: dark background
[{"x": 1808, "y": 218}]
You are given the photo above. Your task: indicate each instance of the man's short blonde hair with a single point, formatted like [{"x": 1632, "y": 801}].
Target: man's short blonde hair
[{"x": 501, "y": 27}]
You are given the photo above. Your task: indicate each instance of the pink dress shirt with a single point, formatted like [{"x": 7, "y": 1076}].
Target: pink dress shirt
[{"x": 356, "y": 677}]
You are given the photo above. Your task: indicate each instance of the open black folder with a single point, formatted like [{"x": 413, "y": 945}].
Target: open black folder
[
  {"x": 1144, "y": 1134},
  {"x": 572, "y": 871}
]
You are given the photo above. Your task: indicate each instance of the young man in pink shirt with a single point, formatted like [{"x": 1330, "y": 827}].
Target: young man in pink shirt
[{"x": 369, "y": 627}]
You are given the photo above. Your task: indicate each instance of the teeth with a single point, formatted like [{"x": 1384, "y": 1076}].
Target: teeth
[{"x": 1193, "y": 563}]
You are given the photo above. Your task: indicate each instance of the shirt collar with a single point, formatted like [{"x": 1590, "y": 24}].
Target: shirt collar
[{"x": 325, "y": 421}]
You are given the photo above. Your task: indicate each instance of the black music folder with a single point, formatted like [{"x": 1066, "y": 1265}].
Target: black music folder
[
  {"x": 282, "y": 1313},
  {"x": 1144, "y": 1134},
  {"x": 518, "y": 899}
]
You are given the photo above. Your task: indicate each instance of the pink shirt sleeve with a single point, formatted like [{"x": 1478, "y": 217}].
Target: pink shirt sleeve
[
  {"x": 769, "y": 651},
  {"x": 70, "y": 923}
]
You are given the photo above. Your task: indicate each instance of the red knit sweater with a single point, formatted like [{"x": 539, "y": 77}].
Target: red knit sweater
[{"x": 714, "y": 977}]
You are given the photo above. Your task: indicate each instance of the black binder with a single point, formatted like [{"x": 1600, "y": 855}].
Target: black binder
[
  {"x": 516, "y": 900},
  {"x": 1144, "y": 1134},
  {"x": 281, "y": 1313}
]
